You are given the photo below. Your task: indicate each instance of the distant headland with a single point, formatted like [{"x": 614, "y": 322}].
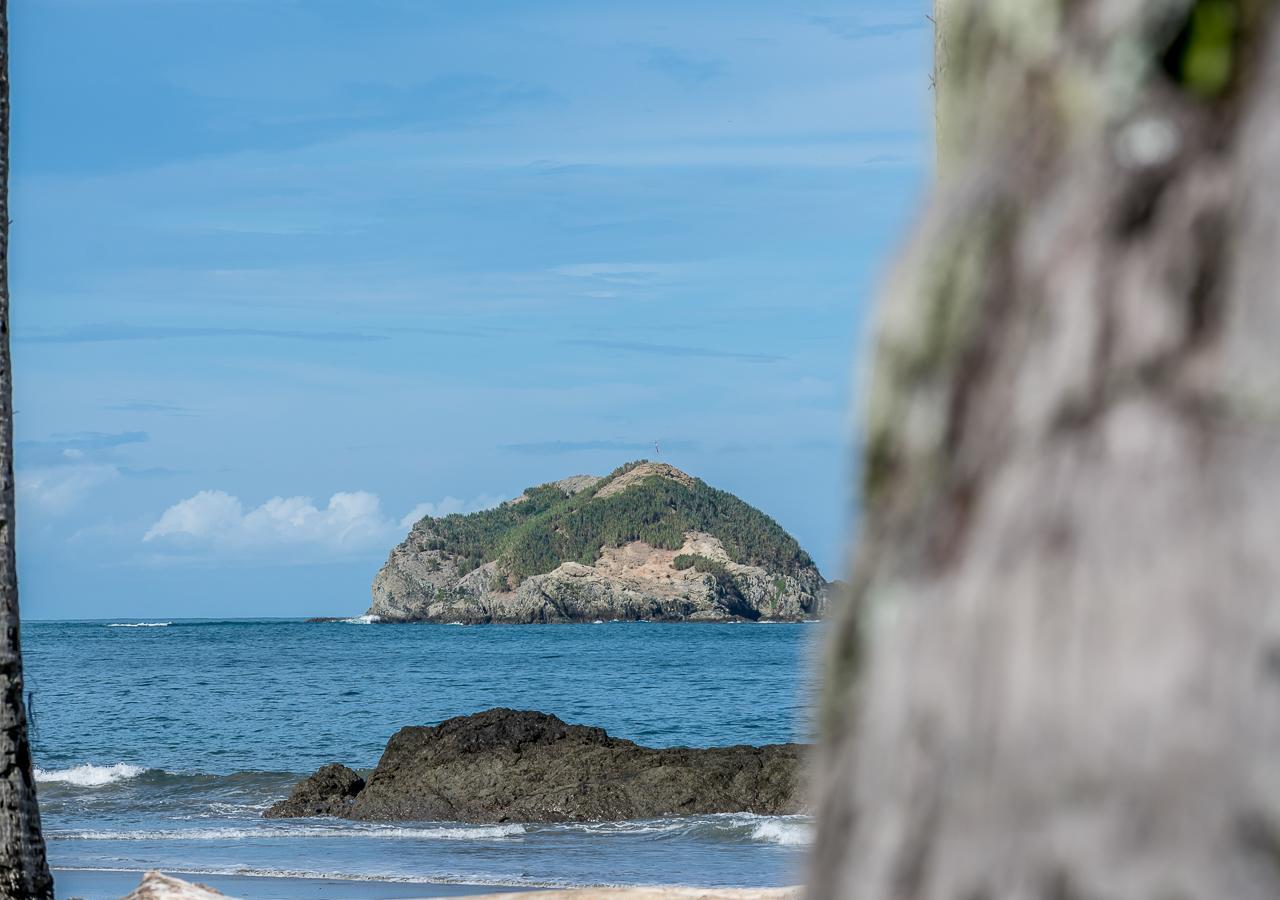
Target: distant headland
[{"x": 645, "y": 542}]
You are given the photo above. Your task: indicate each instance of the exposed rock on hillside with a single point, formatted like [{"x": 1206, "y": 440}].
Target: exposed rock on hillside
[
  {"x": 647, "y": 542},
  {"x": 633, "y": 476},
  {"x": 505, "y": 765}
]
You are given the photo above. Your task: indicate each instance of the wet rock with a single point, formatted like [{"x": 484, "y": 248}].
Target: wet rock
[
  {"x": 507, "y": 765},
  {"x": 329, "y": 792}
]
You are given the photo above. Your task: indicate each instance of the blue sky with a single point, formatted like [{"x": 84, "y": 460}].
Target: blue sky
[{"x": 286, "y": 274}]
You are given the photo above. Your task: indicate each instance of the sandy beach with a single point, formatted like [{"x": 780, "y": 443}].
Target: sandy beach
[{"x": 95, "y": 884}]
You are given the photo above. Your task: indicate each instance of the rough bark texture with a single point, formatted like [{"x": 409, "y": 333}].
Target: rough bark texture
[
  {"x": 23, "y": 870},
  {"x": 939, "y": 81},
  {"x": 1059, "y": 677}
]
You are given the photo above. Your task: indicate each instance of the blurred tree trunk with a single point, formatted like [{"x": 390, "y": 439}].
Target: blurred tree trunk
[
  {"x": 24, "y": 873},
  {"x": 1059, "y": 676},
  {"x": 939, "y": 79}
]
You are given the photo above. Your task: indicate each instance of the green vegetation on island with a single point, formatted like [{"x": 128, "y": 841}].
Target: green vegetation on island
[{"x": 548, "y": 526}]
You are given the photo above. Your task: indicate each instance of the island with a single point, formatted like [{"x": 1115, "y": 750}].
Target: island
[{"x": 647, "y": 542}]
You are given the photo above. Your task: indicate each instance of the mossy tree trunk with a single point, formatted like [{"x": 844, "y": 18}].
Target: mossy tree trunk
[
  {"x": 24, "y": 873},
  {"x": 1059, "y": 676}
]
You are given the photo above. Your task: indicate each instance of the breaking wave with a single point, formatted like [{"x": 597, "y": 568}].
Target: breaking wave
[
  {"x": 139, "y": 624},
  {"x": 89, "y": 775},
  {"x": 783, "y": 832}
]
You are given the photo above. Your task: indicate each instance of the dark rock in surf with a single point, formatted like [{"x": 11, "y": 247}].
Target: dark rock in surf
[
  {"x": 329, "y": 792},
  {"x": 506, "y": 765}
]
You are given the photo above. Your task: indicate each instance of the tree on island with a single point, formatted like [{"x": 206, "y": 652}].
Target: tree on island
[
  {"x": 1059, "y": 675},
  {"x": 24, "y": 871}
]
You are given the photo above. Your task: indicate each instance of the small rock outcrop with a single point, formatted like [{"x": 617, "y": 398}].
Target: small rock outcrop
[
  {"x": 647, "y": 542},
  {"x": 505, "y": 765},
  {"x": 329, "y": 792}
]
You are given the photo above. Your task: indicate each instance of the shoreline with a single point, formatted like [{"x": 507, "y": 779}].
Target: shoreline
[
  {"x": 112, "y": 884},
  {"x": 99, "y": 884}
]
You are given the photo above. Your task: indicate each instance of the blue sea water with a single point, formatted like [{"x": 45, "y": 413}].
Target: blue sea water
[{"x": 159, "y": 744}]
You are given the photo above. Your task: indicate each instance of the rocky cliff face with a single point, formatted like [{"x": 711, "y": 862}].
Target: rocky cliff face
[
  {"x": 507, "y": 765},
  {"x": 517, "y": 564}
]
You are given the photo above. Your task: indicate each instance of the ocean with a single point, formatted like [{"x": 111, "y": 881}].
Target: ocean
[{"x": 159, "y": 743}]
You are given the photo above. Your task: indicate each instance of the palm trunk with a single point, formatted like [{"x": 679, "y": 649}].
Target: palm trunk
[
  {"x": 939, "y": 79},
  {"x": 1059, "y": 676},
  {"x": 24, "y": 873}
]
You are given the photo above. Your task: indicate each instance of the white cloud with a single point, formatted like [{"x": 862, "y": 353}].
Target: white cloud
[
  {"x": 352, "y": 523},
  {"x": 56, "y": 490},
  {"x": 448, "y": 506},
  {"x": 623, "y": 273}
]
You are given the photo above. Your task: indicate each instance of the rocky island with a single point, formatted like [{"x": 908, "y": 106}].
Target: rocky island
[
  {"x": 645, "y": 542},
  {"x": 505, "y": 765}
]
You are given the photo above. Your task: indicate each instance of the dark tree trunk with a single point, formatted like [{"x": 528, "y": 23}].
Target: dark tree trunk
[
  {"x": 24, "y": 873},
  {"x": 1059, "y": 676}
]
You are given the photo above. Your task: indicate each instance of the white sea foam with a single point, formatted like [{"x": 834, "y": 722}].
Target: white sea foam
[
  {"x": 89, "y": 775},
  {"x": 139, "y": 624},
  {"x": 783, "y": 832},
  {"x": 363, "y": 620},
  {"x": 227, "y": 810},
  {"x": 787, "y": 831},
  {"x": 290, "y": 831},
  {"x": 637, "y": 826},
  {"x": 392, "y": 877}
]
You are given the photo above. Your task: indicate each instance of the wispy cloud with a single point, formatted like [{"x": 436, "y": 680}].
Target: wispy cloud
[
  {"x": 59, "y": 473},
  {"x": 853, "y": 28},
  {"x": 673, "y": 350},
  {"x": 57, "y": 490},
  {"x": 885, "y": 159},
  {"x": 99, "y": 334},
  {"x": 202, "y": 124},
  {"x": 682, "y": 67},
  {"x": 84, "y": 441},
  {"x": 151, "y": 472},
  {"x": 76, "y": 448},
  {"x": 147, "y": 406},
  {"x": 557, "y": 448},
  {"x": 618, "y": 273}
]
